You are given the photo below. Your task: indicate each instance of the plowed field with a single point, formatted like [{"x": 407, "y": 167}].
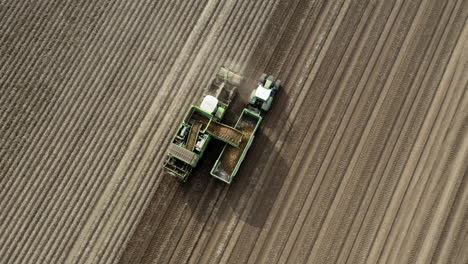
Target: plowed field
[{"x": 362, "y": 158}]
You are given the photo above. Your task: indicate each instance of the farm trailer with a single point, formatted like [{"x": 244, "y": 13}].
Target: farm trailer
[{"x": 231, "y": 157}]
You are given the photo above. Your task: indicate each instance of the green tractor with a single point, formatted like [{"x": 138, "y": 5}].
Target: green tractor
[{"x": 262, "y": 97}]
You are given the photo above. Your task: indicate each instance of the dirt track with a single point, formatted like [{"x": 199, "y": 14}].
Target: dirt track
[{"x": 362, "y": 158}]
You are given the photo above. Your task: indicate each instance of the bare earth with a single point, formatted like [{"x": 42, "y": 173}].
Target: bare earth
[
  {"x": 231, "y": 155},
  {"x": 362, "y": 159}
]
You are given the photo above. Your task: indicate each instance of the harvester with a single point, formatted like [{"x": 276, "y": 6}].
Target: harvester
[{"x": 201, "y": 124}]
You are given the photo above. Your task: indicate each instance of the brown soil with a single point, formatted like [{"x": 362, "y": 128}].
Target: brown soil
[
  {"x": 224, "y": 132},
  {"x": 193, "y": 136},
  {"x": 362, "y": 158},
  {"x": 199, "y": 118},
  {"x": 232, "y": 154},
  {"x": 218, "y": 129}
]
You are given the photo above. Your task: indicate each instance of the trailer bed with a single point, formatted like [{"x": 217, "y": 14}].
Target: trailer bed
[{"x": 231, "y": 157}]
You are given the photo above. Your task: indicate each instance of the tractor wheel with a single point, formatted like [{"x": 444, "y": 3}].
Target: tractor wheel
[
  {"x": 277, "y": 85},
  {"x": 252, "y": 99},
  {"x": 267, "y": 104}
]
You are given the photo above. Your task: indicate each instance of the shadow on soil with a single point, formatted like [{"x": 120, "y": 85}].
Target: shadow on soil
[{"x": 253, "y": 180}]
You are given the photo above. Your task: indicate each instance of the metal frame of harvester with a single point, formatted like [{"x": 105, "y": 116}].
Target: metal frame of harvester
[
  {"x": 202, "y": 123},
  {"x": 196, "y": 130}
]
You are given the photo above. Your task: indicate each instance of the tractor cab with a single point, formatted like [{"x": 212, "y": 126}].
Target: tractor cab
[{"x": 262, "y": 96}]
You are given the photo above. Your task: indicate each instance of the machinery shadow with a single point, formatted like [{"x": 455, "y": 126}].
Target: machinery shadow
[
  {"x": 258, "y": 183},
  {"x": 254, "y": 182}
]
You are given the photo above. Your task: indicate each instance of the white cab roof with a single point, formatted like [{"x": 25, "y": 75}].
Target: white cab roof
[
  {"x": 209, "y": 103},
  {"x": 262, "y": 93}
]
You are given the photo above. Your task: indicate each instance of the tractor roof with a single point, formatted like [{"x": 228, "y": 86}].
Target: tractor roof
[{"x": 262, "y": 93}]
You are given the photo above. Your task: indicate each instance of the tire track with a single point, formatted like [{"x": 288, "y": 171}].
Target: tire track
[
  {"x": 20, "y": 58},
  {"x": 225, "y": 255},
  {"x": 447, "y": 248},
  {"x": 360, "y": 112},
  {"x": 271, "y": 239},
  {"x": 379, "y": 198},
  {"x": 415, "y": 180},
  {"x": 243, "y": 243},
  {"x": 39, "y": 151},
  {"x": 401, "y": 97},
  {"x": 363, "y": 60},
  {"x": 131, "y": 78},
  {"x": 426, "y": 211},
  {"x": 373, "y": 96}
]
